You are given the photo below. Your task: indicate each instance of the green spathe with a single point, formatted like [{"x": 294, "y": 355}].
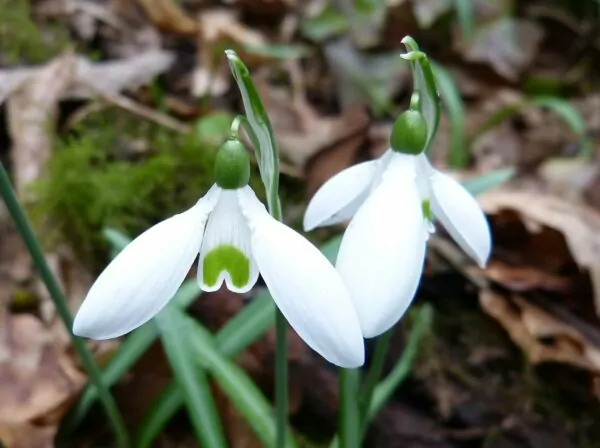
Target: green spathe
[
  {"x": 409, "y": 134},
  {"x": 232, "y": 165},
  {"x": 226, "y": 257}
]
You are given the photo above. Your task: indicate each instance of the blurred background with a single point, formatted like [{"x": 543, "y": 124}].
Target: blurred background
[{"x": 110, "y": 115}]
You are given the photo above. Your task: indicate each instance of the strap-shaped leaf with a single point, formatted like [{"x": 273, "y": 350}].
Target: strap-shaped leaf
[
  {"x": 259, "y": 128},
  {"x": 424, "y": 84}
]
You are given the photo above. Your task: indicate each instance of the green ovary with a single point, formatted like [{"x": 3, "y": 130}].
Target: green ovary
[
  {"x": 226, "y": 258},
  {"x": 426, "y": 209}
]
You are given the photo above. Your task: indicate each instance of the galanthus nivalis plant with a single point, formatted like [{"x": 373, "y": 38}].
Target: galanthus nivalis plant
[
  {"x": 235, "y": 239},
  {"x": 391, "y": 202}
]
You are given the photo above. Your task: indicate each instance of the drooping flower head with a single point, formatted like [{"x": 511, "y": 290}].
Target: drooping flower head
[
  {"x": 235, "y": 239},
  {"x": 391, "y": 202}
]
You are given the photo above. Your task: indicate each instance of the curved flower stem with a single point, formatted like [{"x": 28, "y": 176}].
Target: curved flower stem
[
  {"x": 33, "y": 246},
  {"x": 375, "y": 369},
  {"x": 349, "y": 428},
  {"x": 235, "y": 126}
]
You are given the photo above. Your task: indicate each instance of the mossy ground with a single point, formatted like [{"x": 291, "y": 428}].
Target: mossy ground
[
  {"x": 22, "y": 40},
  {"x": 117, "y": 171}
]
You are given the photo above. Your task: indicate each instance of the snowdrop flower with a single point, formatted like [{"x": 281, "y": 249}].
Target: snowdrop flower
[
  {"x": 235, "y": 239},
  {"x": 392, "y": 201}
]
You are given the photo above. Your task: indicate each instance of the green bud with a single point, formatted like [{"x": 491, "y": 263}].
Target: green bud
[
  {"x": 232, "y": 165},
  {"x": 409, "y": 134}
]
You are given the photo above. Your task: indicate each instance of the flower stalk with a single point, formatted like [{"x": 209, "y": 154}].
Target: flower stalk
[{"x": 349, "y": 417}]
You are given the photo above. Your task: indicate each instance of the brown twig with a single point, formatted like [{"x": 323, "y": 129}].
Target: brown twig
[{"x": 139, "y": 109}]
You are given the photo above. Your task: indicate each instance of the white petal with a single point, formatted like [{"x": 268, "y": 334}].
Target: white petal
[
  {"x": 142, "y": 279},
  {"x": 461, "y": 215},
  {"x": 305, "y": 286},
  {"x": 225, "y": 255},
  {"x": 383, "y": 250},
  {"x": 338, "y": 199}
]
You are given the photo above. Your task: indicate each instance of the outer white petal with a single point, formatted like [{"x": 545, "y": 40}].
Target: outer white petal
[
  {"x": 339, "y": 198},
  {"x": 461, "y": 215},
  {"x": 145, "y": 275},
  {"x": 305, "y": 286},
  {"x": 383, "y": 250},
  {"x": 227, "y": 228}
]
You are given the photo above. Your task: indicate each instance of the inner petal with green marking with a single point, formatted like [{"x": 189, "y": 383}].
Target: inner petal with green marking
[
  {"x": 226, "y": 258},
  {"x": 226, "y": 251}
]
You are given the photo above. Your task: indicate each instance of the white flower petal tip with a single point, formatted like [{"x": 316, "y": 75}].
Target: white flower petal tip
[
  {"x": 144, "y": 276},
  {"x": 462, "y": 217},
  {"x": 305, "y": 287},
  {"x": 340, "y": 197},
  {"x": 383, "y": 250},
  {"x": 225, "y": 255}
]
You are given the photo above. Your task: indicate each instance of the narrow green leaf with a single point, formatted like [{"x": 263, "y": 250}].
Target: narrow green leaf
[
  {"x": 162, "y": 409},
  {"x": 331, "y": 248},
  {"x": 127, "y": 355},
  {"x": 260, "y": 129},
  {"x": 488, "y": 181},
  {"x": 240, "y": 389},
  {"x": 329, "y": 23},
  {"x": 459, "y": 153},
  {"x": 247, "y": 326},
  {"x": 384, "y": 390},
  {"x": 424, "y": 83},
  {"x": 563, "y": 109},
  {"x": 465, "y": 13},
  {"x": 192, "y": 381},
  {"x": 242, "y": 330},
  {"x": 278, "y": 51},
  {"x": 116, "y": 239}
]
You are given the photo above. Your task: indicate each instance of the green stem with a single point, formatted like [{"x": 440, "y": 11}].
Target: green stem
[
  {"x": 281, "y": 377},
  {"x": 349, "y": 427},
  {"x": 235, "y": 126},
  {"x": 375, "y": 369},
  {"x": 281, "y": 348},
  {"x": 34, "y": 248}
]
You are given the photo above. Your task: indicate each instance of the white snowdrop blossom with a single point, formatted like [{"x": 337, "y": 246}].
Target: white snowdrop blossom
[
  {"x": 391, "y": 202},
  {"x": 235, "y": 238}
]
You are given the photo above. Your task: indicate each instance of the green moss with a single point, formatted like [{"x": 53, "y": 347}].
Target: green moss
[
  {"x": 21, "y": 39},
  {"x": 121, "y": 172}
]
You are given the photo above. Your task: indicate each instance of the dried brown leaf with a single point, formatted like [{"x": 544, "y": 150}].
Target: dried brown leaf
[
  {"x": 539, "y": 334},
  {"x": 32, "y": 114},
  {"x": 38, "y": 380},
  {"x": 219, "y": 28},
  {"x": 428, "y": 11},
  {"x": 301, "y": 132},
  {"x": 168, "y": 16},
  {"x": 521, "y": 278},
  {"x": 331, "y": 161},
  {"x": 111, "y": 77},
  {"x": 578, "y": 223},
  {"x": 507, "y": 45},
  {"x": 27, "y": 435}
]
